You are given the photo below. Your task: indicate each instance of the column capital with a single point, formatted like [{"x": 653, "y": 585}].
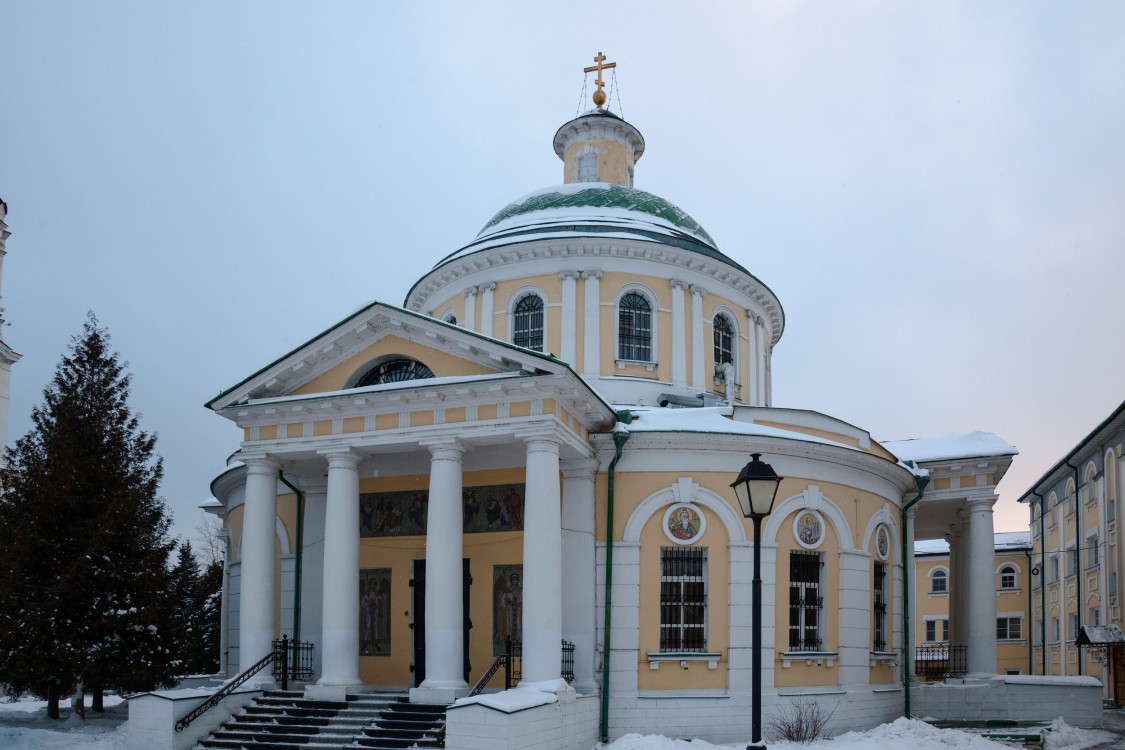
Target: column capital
[
  {"x": 580, "y": 468},
  {"x": 981, "y": 504},
  {"x": 591, "y": 274},
  {"x": 260, "y": 463},
  {"x": 341, "y": 458},
  {"x": 678, "y": 283},
  {"x": 446, "y": 449},
  {"x": 541, "y": 442},
  {"x": 487, "y": 286},
  {"x": 470, "y": 292},
  {"x": 564, "y": 275},
  {"x": 697, "y": 290}
]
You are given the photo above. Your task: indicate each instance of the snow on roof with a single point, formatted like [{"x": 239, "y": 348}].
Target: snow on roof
[
  {"x": 711, "y": 419},
  {"x": 385, "y": 387},
  {"x": 1100, "y": 634},
  {"x": 1002, "y": 540},
  {"x": 210, "y": 503},
  {"x": 950, "y": 447}
]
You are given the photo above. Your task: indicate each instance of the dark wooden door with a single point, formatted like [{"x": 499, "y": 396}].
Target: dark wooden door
[
  {"x": 418, "y": 626},
  {"x": 1117, "y": 664}
]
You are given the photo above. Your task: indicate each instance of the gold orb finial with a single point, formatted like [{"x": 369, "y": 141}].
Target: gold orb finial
[{"x": 599, "y": 95}]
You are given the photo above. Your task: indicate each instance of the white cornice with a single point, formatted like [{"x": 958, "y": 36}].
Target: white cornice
[{"x": 591, "y": 247}]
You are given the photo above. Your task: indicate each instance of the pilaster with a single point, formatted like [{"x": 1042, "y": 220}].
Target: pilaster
[
  {"x": 567, "y": 347},
  {"x": 591, "y": 316}
]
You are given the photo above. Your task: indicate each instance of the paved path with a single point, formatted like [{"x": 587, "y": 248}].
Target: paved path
[{"x": 1113, "y": 720}]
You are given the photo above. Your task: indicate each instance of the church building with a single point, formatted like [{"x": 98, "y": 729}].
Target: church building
[{"x": 538, "y": 444}]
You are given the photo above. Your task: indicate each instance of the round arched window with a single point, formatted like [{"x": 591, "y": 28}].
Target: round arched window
[{"x": 394, "y": 371}]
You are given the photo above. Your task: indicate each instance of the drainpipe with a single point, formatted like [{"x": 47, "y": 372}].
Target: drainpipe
[
  {"x": 300, "y": 552},
  {"x": 1042, "y": 577},
  {"x": 1030, "y": 614},
  {"x": 908, "y": 575},
  {"x": 1077, "y": 569},
  {"x": 620, "y": 437}
]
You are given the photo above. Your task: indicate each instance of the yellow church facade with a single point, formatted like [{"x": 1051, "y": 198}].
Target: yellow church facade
[{"x": 538, "y": 445}]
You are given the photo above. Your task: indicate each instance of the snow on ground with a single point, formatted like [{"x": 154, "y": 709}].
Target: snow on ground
[
  {"x": 902, "y": 733},
  {"x": 24, "y": 726}
]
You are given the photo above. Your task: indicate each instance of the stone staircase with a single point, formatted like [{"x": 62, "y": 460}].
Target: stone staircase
[{"x": 288, "y": 721}]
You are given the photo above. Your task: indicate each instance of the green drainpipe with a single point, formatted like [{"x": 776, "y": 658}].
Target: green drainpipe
[
  {"x": 619, "y": 440},
  {"x": 300, "y": 545},
  {"x": 1042, "y": 580},
  {"x": 907, "y": 640}
]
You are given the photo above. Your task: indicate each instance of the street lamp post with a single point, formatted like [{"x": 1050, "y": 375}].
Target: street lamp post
[{"x": 756, "y": 488}]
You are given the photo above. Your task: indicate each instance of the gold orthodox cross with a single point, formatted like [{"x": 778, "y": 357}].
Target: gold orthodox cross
[{"x": 599, "y": 95}]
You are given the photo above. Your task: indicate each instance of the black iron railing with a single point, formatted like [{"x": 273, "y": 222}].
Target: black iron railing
[
  {"x": 295, "y": 660},
  {"x": 939, "y": 661}
]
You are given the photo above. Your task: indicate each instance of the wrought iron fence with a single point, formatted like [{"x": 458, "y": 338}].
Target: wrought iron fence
[
  {"x": 939, "y": 661},
  {"x": 293, "y": 661},
  {"x": 513, "y": 662}
]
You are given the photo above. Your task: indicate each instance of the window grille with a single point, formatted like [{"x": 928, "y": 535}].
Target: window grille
[
  {"x": 394, "y": 371},
  {"x": 683, "y": 598},
  {"x": 880, "y": 607},
  {"x": 805, "y": 601},
  {"x": 527, "y": 323},
  {"x": 724, "y": 340},
  {"x": 634, "y": 328},
  {"x": 938, "y": 582}
]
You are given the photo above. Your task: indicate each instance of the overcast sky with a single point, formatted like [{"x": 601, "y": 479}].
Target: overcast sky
[{"x": 935, "y": 191}]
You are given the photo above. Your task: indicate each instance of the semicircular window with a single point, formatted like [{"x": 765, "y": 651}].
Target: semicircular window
[{"x": 394, "y": 371}]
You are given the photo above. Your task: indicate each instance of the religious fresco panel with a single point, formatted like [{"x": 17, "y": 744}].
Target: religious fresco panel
[
  {"x": 496, "y": 507},
  {"x": 507, "y": 605},
  {"x": 375, "y": 612}
]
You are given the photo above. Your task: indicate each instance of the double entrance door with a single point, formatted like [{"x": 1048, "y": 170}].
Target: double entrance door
[{"x": 418, "y": 625}]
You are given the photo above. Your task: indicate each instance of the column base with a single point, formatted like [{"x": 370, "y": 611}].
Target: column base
[
  {"x": 437, "y": 695},
  {"x": 334, "y": 692},
  {"x": 586, "y": 687}
]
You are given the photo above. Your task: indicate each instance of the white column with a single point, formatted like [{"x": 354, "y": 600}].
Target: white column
[
  {"x": 486, "y": 311},
  {"x": 955, "y": 584},
  {"x": 567, "y": 347},
  {"x": 224, "y": 607},
  {"x": 592, "y": 327},
  {"x": 679, "y": 335},
  {"x": 751, "y": 376},
  {"x": 981, "y": 603},
  {"x": 257, "y": 613},
  {"x": 759, "y": 362},
  {"x": 471, "y": 308},
  {"x": 578, "y": 553},
  {"x": 698, "y": 380},
  {"x": 340, "y": 621},
  {"x": 445, "y": 627},
  {"x": 542, "y": 567}
]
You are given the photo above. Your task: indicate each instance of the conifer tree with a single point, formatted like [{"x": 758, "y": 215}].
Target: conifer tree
[{"x": 83, "y": 568}]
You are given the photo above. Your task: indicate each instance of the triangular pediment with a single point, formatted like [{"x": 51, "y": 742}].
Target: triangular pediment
[{"x": 327, "y": 362}]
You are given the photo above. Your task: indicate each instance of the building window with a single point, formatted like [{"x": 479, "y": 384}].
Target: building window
[
  {"x": 1092, "y": 551},
  {"x": 1054, "y": 568},
  {"x": 1037, "y": 636},
  {"x": 394, "y": 371},
  {"x": 1008, "y": 629},
  {"x": 450, "y": 318},
  {"x": 936, "y": 630},
  {"x": 683, "y": 598},
  {"x": 1007, "y": 577},
  {"x": 527, "y": 323},
  {"x": 1071, "y": 561},
  {"x": 1054, "y": 630},
  {"x": 1012, "y": 671},
  {"x": 588, "y": 167},
  {"x": 1095, "y": 618},
  {"x": 939, "y": 582},
  {"x": 880, "y": 588},
  {"x": 805, "y": 601},
  {"x": 1071, "y": 626},
  {"x": 724, "y": 340},
  {"x": 634, "y": 328}
]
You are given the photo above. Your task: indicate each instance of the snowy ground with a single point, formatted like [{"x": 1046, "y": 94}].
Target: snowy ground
[{"x": 24, "y": 726}]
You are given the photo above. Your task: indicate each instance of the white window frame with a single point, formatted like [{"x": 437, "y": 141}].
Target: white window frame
[
  {"x": 684, "y": 552},
  {"x": 1008, "y": 618},
  {"x": 1009, "y": 569},
  {"x": 944, "y": 591},
  {"x": 803, "y": 610},
  {"x": 735, "y": 342}
]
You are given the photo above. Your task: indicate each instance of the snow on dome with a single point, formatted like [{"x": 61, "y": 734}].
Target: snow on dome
[
  {"x": 599, "y": 209},
  {"x": 967, "y": 445},
  {"x": 710, "y": 419}
]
